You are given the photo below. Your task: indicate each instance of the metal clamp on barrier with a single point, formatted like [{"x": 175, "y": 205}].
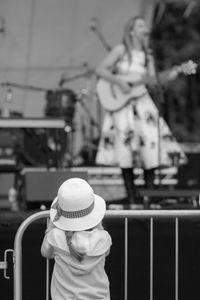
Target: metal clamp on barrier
[{"x": 4, "y": 264}]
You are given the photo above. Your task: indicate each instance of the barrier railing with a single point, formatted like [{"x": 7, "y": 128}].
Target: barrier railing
[{"x": 118, "y": 214}]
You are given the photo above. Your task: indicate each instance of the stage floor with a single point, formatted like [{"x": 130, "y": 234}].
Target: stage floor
[{"x": 38, "y": 186}]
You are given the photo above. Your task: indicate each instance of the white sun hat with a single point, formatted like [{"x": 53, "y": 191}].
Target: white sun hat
[{"x": 76, "y": 206}]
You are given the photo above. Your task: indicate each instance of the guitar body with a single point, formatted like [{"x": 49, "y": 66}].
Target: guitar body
[{"x": 112, "y": 98}]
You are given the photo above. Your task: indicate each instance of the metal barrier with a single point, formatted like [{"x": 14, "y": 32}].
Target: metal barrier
[{"x": 119, "y": 214}]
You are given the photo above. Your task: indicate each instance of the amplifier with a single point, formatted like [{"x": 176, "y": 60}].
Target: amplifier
[{"x": 42, "y": 185}]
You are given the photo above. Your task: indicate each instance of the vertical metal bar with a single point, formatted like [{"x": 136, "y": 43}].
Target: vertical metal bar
[
  {"x": 126, "y": 260},
  {"x": 18, "y": 265},
  {"x": 151, "y": 259},
  {"x": 18, "y": 252},
  {"x": 47, "y": 272},
  {"x": 176, "y": 258},
  {"x": 47, "y": 279}
]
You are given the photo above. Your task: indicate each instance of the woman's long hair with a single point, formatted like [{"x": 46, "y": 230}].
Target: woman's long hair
[{"x": 127, "y": 39}]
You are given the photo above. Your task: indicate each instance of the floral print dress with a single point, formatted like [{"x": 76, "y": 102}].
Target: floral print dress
[{"x": 137, "y": 135}]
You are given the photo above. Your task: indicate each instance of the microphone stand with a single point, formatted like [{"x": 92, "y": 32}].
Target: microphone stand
[
  {"x": 96, "y": 28},
  {"x": 160, "y": 101}
]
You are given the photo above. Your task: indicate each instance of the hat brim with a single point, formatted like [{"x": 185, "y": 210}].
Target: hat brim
[{"x": 80, "y": 223}]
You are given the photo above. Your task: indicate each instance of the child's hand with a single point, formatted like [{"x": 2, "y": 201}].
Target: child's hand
[{"x": 50, "y": 226}]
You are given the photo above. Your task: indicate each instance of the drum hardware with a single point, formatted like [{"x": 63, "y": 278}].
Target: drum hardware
[
  {"x": 30, "y": 140},
  {"x": 86, "y": 109},
  {"x": 88, "y": 72},
  {"x": 95, "y": 27},
  {"x": 86, "y": 154},
  {"x": 60, "y": 102},
  {"x": 5, "y": 112},
  {"x": 65, "y": 78},
  {"x": 49, "y": 152},
  {"x": 24, "y": 87},
  {"x": 88, "y": 150},
  {"x": 34, "y": 148}
]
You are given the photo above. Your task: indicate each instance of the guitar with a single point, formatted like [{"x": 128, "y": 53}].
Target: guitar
[{"x": 113, "y": 99}]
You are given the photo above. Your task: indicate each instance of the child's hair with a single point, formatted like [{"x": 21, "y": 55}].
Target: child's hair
[
  {"x": 69, "y": 234},
  {"x": 79, "y": 256}
]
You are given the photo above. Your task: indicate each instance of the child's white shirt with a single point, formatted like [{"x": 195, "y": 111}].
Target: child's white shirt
[{"x": 71, "y": 279}]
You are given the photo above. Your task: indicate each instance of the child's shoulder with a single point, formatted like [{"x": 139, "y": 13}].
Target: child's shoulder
[
  {"x": 94, "y": 243},
  {"x": 56, "y": 232},
  {"x": 56, "y": 237},
  {"x": 100, "y": 242}
]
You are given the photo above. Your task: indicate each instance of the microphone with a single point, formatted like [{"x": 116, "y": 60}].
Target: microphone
[
  {"x": 93, "y": 24},
  {"x": 7, "y": 101},
  {"x": 147, "y": 33},
  {"x": 9, "y": 95},
  {"x": 159, "y": 11},
  {"x": 146, "y": 41},
  {"x": 62, "y": 80},
  {"x": 189, "y": 9}
]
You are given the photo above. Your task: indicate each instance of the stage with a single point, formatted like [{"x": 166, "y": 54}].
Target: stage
[{"x": 37, "y": 187}]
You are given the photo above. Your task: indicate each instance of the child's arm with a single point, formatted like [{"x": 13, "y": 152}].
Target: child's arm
[
  {"x": 50, "y": 226},
  {"x": 46, "y": 248}
]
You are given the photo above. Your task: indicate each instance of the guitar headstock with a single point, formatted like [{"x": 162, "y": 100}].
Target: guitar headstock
[{"x": 187, "y": 68}]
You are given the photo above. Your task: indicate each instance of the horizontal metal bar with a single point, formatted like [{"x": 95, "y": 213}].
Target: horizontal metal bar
[{"x": 159, "y": 214}]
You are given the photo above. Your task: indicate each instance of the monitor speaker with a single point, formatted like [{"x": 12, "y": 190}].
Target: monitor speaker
[
  {"x": 189, "y": 174},
  {"x": 42, "y": 186}
]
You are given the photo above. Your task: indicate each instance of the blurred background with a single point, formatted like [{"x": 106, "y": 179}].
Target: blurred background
[
  {"x": 44, "y": 41},
  {"x": 48, "y": 52}
]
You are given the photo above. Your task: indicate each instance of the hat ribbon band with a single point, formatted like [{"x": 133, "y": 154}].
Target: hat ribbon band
[{"x": 71, "y": 214}]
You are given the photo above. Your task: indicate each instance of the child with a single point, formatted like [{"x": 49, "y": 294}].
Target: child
[{"x": 78, "y": 243}]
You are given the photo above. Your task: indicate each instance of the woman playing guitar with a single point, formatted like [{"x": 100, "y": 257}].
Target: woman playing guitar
[{"x": 131, "y": 134}]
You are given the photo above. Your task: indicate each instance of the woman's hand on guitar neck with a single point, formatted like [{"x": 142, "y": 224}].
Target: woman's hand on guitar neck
[
  {"x": 162, "y": 77},
  {"x": 172, "y": 74},
  {"x": 149, "y": 80}
]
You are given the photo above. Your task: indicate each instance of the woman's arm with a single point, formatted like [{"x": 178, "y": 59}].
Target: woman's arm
[
  {"x": 153, "y": 76},
  {"x": 106, "y": 67}
]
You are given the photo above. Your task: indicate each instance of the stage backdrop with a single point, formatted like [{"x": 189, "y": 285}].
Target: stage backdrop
[{"x": 42, "y": 39}]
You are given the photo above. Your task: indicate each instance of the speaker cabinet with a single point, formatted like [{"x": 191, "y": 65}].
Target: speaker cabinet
[
  {"x": 42, "y": 186},
  {"x": 189, "y": 174}
]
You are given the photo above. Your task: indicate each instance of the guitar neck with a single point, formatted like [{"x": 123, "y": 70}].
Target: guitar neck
[
  {"x": 187, "y": 68},
  {"x": 151, "y": 79}
]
